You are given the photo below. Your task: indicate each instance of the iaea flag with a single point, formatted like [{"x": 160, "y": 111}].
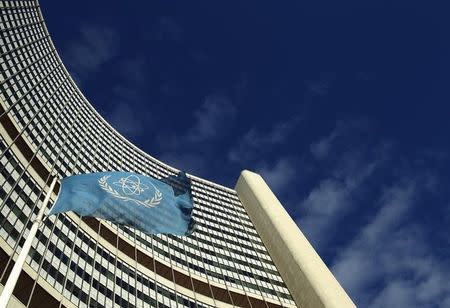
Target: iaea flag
[{"x": 153, "y": 206}]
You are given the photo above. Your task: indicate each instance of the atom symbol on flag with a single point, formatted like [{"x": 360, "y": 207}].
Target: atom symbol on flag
[{"x": 131, "y": 185}]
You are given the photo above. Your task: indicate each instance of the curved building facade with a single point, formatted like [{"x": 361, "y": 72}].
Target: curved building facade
[{"x": 48, "y": 128}]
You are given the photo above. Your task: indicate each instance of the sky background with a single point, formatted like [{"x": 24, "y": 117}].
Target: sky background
[{"x": 342, "y": 106}]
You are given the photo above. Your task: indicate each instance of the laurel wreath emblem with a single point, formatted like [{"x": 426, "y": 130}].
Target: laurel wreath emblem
[{"x": 155, "y": 200}]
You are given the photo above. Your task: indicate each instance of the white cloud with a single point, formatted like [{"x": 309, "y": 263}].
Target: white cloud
[
  {"x": 389, "y": 263},
  {"x": 168, "y": 29},
  {"x": 256, "y": 141},
  {"x": 95, "y": 46},
  {"x": 396, "y": 294},
  {"x": 321, "y": 148},
  {"x": 332, "y": 198},
  {"x": 213, "y": 118},
  {"x": 134, "y": 71},
  {"x": 357, "y": 257},
  {"x": 126, "y": 110},
  {"x": 338, "y": 138},
  {"x": 320, "y": 86},
  {"x": 279, "y": 176},
  {"x": 127, "y": 120}
]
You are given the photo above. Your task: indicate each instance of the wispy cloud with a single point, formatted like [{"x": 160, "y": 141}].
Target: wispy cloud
[
  {"x": 212, "y": 119},
  {"x": 133, "y": 70},
  {"x": 127, "y": 110},
  {"x": 257, "y": 141},
  {"x": 321, "y": 148},
  {"x": 321, "y": 85},
  {"x": 95, "y": 46},
  {"x": 278, "y": 176},
  {"x": 389, "y": 263},
  {"x": 167, "y": 28},
  {"x": 346, "y": 171},
  {"x": 362, "y": 215},
  {"x": 89, "y": 55},
  {"x": 339, "y": 137},
  {"x": 333, "y": 198},
  {"x": 127, "y": 119}
]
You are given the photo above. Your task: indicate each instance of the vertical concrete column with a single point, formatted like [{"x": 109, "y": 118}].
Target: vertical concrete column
[{"x": 307, "y": 277}]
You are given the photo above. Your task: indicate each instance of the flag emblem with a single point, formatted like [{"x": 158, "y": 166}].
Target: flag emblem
[{"x": 132, "y": 190}]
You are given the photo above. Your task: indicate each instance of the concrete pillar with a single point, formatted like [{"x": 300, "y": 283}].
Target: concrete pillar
[{"x": 307, "y": 277}]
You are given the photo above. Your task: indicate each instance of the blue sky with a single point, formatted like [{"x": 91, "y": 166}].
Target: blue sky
[{"x": 343, "y": 107}]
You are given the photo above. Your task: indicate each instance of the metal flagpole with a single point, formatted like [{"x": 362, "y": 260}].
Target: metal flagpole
[{"x": 12, "y": 279}]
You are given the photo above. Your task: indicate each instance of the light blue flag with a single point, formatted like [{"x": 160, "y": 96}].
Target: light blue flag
[{"x": 153, "y": 206}]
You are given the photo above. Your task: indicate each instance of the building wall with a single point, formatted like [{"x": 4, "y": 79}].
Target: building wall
[{"x": 47, "y": 127}]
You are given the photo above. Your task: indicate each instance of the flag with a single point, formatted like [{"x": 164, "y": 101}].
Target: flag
[{"x": 150, "y": 205}]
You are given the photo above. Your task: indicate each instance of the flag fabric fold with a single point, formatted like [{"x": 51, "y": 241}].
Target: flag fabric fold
[{"x": 150, "y": 205}]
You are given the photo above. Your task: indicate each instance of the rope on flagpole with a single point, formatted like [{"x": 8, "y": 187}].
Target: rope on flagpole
[{"x": 17, "y": 269}]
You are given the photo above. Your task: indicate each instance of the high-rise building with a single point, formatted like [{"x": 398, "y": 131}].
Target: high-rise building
[{"x": 245, "y": 252}]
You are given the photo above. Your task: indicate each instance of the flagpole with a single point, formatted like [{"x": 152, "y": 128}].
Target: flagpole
[{"x": 14, "y": 275}]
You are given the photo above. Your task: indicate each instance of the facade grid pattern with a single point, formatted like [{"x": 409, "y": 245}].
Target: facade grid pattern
[{"x": 51, "y": 129}]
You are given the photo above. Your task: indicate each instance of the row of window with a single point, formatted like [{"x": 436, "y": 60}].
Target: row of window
[
  {"x": 219, "y": 235},
  {"x": 52, "y": 141},
  {"x": 16, "y": 3},
  {"x": 209, "y": 254},
  {"x": 56, "y": 264},
  {"x": 18, "y": 16},
  {"x": 12, "y": 223},
  {"x": 232, "y": 267},
  {"x": 59, "y": 139}
]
